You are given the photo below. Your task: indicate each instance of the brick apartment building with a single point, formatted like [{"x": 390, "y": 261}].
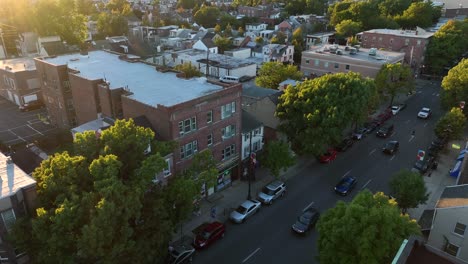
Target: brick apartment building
[
  {"x": 255, "y": 11},
  {"x": 17, "y": 199},
  {"x": 195, "y": 113},
  {"x": 320, "y": 60},
  {"x": 18, "y": 81},
  {"x": 412, "y": 42}
]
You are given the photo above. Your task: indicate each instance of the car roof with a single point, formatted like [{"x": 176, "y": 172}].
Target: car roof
[
  {"x": 310, "y": 211},
  {"x": 247, "y": 204},
  {"x": 212, "y": 226},
  {"x": 348, "y": 178},
  {"x": 425, "y": 109},
  {"x": 275, "y": 184},
  {"x": 392, "y": 142}
]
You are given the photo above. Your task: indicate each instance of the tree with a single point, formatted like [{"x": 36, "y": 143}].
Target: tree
[
  {"x": 271, "y": 74},
  {"x": 298, "y": 42},
  {"x": 241, "y": 31},
  {"x": 348, "y": 28},
  {"x": 455, "y": 85},
  {"x": 369, "y": 229},
  {"x": 223, "y": 44},
  {"x": 314, "y": 113},
  {"x": 409, "y": 189},
  {"x": 418, "y": 14},
  {"x": 279, "y": 38},
  {"x": 112, "y": 24},
  {"x": 277, "y": 157},
  {"x": 99, "y": 203},
  {"x": 217, "y": 29},
  {"x": 451, "y": 125},
  {"x": 228, "y": 31},
  {"x": 203, "y": 170},
  {"x": 121, "y": 7},
  {"x": 394, "y": 78},
  {"x": 189, "y": 70},
  {"x": 207, "y": 16},
  {"x": 259, "y": 40}
]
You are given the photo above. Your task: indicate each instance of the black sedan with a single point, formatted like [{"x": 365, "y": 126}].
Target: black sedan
[
  {"x": 422, "y": 166},
  {"x": 345, "y": 144},
  {"x": 371, "y": 126},
  {"x": 345, "y": 185},
  {"x": 306, "y": 220},
  {"x": 391, "y": 147},
  {"x": 385, "y": 131}
]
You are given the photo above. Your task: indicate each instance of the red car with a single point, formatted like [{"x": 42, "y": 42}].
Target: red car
[
  {"x": 328, "y": 156},
  {"x": 208, "y": 234},
  {"x": 387, "y": 114}
]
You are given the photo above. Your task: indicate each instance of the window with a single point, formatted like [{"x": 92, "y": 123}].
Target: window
[
  {"x": 257, "y": 131},
  {"x": 419, "y": 43},
  {"x": 228, "y": 152},
  {"x": 227, "y": 110},
  {"x": 459, "y": 229},
  {"x": 406, "y": 41},
  {"x": 246, "y": 152},
  {"x": 307, "y": 61},
  {"x": 246, "y": 136},
  {"x": 451, "y": 249},
  {"x": 229, "y": 131},
  {"x": 347, "y": 66},
  {"x": 167, "y": 170},
  {"x": 9, "y": 219},
  {"x": 337, "y": 65},
  {"x": 326, "y": 64},
  {"x": 365, "y": 38},
  {"x": 209, "y": 117},
  {"x": 317, "y": 62},
  {"x": 380, "y": 39},
  {"x": 188, "y": 149},
  {"x": 256, "y": 146},
  {"x": 391, "y": 41},
  {"x": 209, "y": 139},
  {"x": 188, "y": 125}
]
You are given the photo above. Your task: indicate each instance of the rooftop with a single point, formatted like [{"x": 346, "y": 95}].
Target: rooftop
[
  {"x": 249, "y": 122},
  {"x": 12, "y": 178},
  {"x": 418, "y": 33},
  {"x": 453, "y": 196},
  {"x": 18, "y": 65},
  {"x": 147, "y": 85},
  {"x": 362, "y": 54},
  {"x": 222, "y": 61}
]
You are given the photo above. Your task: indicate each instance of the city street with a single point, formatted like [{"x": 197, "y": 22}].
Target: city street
[{"x": 266, "y": 238}]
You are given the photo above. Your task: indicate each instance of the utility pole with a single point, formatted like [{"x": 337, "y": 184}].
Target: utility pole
[
  {"x": 207, "y": 62},
  {"x": 249, "y": 196},
  {"x": 3, "y": 43}
]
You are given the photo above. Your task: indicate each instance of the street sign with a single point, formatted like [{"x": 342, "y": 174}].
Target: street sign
[
  {"x": 421, "y": 154},
  {"x": 456, "y": 146},
  {"x": 462, "y": 104}
]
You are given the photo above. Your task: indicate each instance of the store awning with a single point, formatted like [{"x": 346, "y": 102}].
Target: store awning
[
  {"x": 461, "y": 156},
  {"x": 456, "y": 169}
]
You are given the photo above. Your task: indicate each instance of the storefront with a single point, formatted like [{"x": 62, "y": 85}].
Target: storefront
[{"x": 228, "y": 172}]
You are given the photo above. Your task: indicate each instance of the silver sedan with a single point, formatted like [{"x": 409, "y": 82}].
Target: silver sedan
[{"x": 245, "y": 210}]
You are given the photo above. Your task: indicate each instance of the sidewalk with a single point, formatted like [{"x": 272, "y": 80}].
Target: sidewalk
[
  {"x": 227, "y": 200},
  {"x": 437, "y": 180}
]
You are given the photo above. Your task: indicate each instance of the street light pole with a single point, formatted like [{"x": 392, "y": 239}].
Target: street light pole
[{"x": 250, "y": 165}]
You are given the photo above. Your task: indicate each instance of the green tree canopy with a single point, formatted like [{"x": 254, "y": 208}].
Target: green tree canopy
[
  {"x": 277, "y": 157},
  {"x": 259, "y": 40},
  {"x": 369, "y": 229},
  {"x": 409, "y": 189},
  {"x": 271, "y": 74},
  {"x": 452, "y": 124},
  {"x": 347, "y": 28},
  {"x": 189, "y": 70},
  {"x": 228, "y": 30},
  {"x": 99, "y": 203},
  {"x": 314, "y": 113},
  {"x": 455, "y": 85},
  {"x": 418, "y": 14},
  {"x": 207, "y": 16},
  {"x": 223, "y": 44},
  {"x": 241, "y": 31},
  {"x": 112, "y": 24},
  {"x": 394, "y": 78}
]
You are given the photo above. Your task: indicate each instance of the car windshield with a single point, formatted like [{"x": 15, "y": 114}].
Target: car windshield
[
  {"x": 304, "y": 219},
  {"x": 241, "y": 209},
  {"x": 419, "y": 164},
  {"x": 390, "y": 145},
  {"x": 205, "y": 235},
  {"x": 425, "y": 111},
  {"x": 267, "y": 191},
  {"x": 345, "y": 183},
  {"x": 395, "y": 107}
]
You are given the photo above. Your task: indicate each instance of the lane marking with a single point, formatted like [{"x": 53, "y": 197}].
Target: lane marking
[
  {"x": 366, "y": 184},
  {"x": 407, "y": 121},
  {"x": 307, "y": 207},
  {"x": 372, "y": 151},
  {"x": 392, "y": 157},
  {"x": 425, "y": 125},
  {"x": 411, "y": 138},
  {"x": 35, "y": 130},
  {"x": 437, "y": 95},
  {"x": 249, "y": 256},
  {"x": 434, "y": 93},
  {"x": 346, "y": 174},
  {"x": 394, "y": 133}
]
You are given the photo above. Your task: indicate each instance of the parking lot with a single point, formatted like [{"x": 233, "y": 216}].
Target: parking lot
[{"x": 18, "y": 127}]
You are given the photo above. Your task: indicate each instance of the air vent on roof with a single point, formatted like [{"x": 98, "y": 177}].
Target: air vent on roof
[{"x": 75, "y": 59}]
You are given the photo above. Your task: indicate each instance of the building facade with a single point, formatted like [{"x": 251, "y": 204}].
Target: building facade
[
  {"x": 18, "y": 81},
  {"x": 278, "y": 53},
  {"x": 412, "y": 42},
  {"x": 320, "y": 60},
  {"x": 195, "y": 113}
]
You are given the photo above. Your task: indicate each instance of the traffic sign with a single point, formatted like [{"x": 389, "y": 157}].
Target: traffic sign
[{"x": 421, "y": 154}]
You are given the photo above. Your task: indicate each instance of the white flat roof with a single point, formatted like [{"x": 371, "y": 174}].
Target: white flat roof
[
  {"x": 147, "y": 85},
  {"x": 12, "y": 178},
  {"x": 18, "y": 65},
  {"x": 419, "y": 33},
  {"x": 381, "y": 57}
]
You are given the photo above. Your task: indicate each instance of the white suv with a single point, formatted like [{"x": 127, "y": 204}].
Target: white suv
[
  {"x": 272, "y": 191},
  {"x": 425, "y": 113}
]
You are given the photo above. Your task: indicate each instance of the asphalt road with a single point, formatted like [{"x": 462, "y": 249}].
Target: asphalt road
[{"x": 267, "y": 238}]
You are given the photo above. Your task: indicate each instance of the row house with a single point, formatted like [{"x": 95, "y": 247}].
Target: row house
[
  {"x": 195, "y": 113},
  {"x": 325, "y": 59},
  {"x": 278, "y": 53},
  {"x": 412, "y": 42},
  {"x": 256, "y": 27},
  {"x": 255, "y": 11},
  {"x": 18, "y": 81}
]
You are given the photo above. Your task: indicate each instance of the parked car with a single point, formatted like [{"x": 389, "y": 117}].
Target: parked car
[
  {"x": 208, "y": 234},
  {"x": 359, "y": 133},
  {"x": 391, "y": 147},
  {"x": 33, "y": 105},
  {"x": 397, "y": 108},
  {"x": 306, "y": 220},
  {"x": 422, "y": 166},
  {"x": 180, "y": 254},
  {"x": 387, "y": 114},
  {"x": 271, "y": 192},
  {"x": 371, "y": 126},
  {"x": 245, "y": 210},
  {"x": 328, "y": 156},
  {"x": 439, "y": 143},
  {"x": 424, "y": 113},
  {"x": 385, "y": 131},
  {"x": 345, "y": 144},
  {"x": 345, "y": 185}
]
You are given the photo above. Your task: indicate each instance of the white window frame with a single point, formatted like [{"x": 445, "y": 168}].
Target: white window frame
[
  {"x": 229, "y": 132},
  {"x": 188, "y": 125},
  {"x": 8, "y": 228},
  {"x": 229, "y": 151},
  {"x": 450, "y": 251},
  {"x": 228, "y": 109},
  {"x": 462, "y": 231},
  {"x": 209, "y": 140},
  {"x": 191, "y": 147},
  {"x": 209, "y": 117}
]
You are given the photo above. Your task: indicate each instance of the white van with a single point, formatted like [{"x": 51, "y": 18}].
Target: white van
[{"x": 229, "y": 79}]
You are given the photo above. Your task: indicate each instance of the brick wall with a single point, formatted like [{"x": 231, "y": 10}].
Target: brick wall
[{"x": 85, "y": 99}]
